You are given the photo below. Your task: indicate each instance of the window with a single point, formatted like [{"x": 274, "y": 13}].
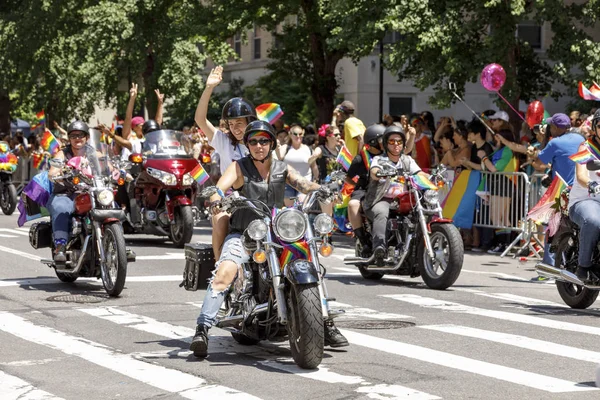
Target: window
[
  {"x": 237, "y": 44},
  {"x": 392, "y": 37},
  {"x": 256, "y": 46},
  {"x": 400, "y": 105},
  {"x": 531, "y": 33}
]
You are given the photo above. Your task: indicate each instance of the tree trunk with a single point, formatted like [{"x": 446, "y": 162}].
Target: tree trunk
[
  {"x": 151, "y": 102},
  {"x": 4, "y": 112},
  {"x": 514, "y": 94}
]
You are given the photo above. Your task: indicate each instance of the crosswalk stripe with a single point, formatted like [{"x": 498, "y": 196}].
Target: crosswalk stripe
[
  {"x": 449, "y": 306},
  {"x": 20, "y": 253},
  {"x": 512, "y": 375},
  {"x": 168, "y": 256},
  {"x": 170, "y": 380},
  {"x": 7, "y": 236},
  {"x": 15, "y": 231},
  {"x": 523, "y": 342},
  {"x": 50, "y": 281},
  {"x": 352, "y": 312},
  {"x": 12, "y": 387}
]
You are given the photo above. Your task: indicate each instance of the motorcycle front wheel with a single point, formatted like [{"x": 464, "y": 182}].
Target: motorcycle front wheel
[
  {"x": 114, "y": 270},
  {"x": 305, "y": 325},
  {"x": 8, "y": 199},
  {"x": 574, "y": 296},
  {"x": 183, "y": 227},
  {"x": 441, "y": 272}
]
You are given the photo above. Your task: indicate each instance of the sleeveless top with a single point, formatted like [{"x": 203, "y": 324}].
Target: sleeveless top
[
  {"x": 326, "y": 159},
  {"x": 255, "y": 187},
  {"x": 298, "y": 159}
]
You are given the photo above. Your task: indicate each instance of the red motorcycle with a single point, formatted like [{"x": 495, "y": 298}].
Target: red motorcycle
[{"x": 164, "y": 191}]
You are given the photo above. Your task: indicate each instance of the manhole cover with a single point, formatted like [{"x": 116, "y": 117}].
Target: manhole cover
[
  {"x": 79, "y": 298},
  {"x": 373, "y": 324}
]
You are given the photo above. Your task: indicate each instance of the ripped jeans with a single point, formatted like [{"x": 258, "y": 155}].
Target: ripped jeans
[{"x": 233, "y": 250}]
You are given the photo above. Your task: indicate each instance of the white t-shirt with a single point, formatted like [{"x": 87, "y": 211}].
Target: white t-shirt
[
  {"x": 227, "y": 152},
  {"x": 136, "y": 147},
  {"x": 395, "y": 187},
  {"x": 298, "y": 159}
]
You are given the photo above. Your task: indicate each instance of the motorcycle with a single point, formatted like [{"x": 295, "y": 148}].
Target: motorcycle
[
  {"x": 96, "y": 245},
  {"x": 416, "y": 231},
  {"x": 164, "y": 192},
  {"x": 277, "y": 295},
  {"x": 565, "y": 246},
  {"x": 8, "y": 192}
]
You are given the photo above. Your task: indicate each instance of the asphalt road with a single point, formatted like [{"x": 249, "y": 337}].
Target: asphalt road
[{"x": 494, "y": 335}]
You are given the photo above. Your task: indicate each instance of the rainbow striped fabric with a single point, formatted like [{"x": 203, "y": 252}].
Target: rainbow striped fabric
[
  {"x": 582, "y": 156},
  {"x": 269, "y": 112},
  {"x": 41, "y": 117},
  {"x": 459, "y": 204},
  {"x": 49, "y": 142},
  {"x": 593, "y": 93},
  {"x": 593, "y": 148},
  {"x": 543, "y": 211},
  {"x": 344, "y": 157},
  {"x": 423, "y": 183},
  {"x": 8, "y": 162},
  {"x": 366, "y": 157},
  {"x": 40, "y": 160},
  {"x": 199, "y": 174},
  {"x": 294, "y": 251}
]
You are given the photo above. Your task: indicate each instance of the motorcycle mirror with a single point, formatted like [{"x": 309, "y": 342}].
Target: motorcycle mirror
[
  {"x": 593, "y": 165},
  {"x": 57, "y": 162},
  {"x": 209, "y": 191}
]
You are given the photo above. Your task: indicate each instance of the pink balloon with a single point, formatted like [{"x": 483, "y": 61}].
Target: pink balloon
[{"x": 493, "y": 77}]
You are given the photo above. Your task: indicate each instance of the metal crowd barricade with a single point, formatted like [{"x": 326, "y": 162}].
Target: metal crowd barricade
[
  {"x": 504, "y": 204},
  {"x": 23, "y": 173}
]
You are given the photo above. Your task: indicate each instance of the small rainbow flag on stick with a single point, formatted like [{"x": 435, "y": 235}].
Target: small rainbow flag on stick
[
  {"x": 294, "y": 251},
  {"x": 269, "y": 112},
  {"x": 199, "y": 174},
  {"x": 49, "y": 142},
  {"x": 40, "y": 160},
  {"x": 582, "y": 156},
  {"x": 344, "y": 157},
  {"x": 41, "y": 117},
  {"x": 543, "y": 211},
  {"x": 423, "y": 183}
]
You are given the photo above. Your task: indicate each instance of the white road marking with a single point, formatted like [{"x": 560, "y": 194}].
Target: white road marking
[
  {"x": 12, "y": 387},
  {"x": 168, "y": 256},
  {"x": 27, "y": 363},
  {"x": 384, "y": 391},
  {"x": 170, "y": 380},
  {"x": 512, "y": 375},
  {"x": 7, "y": 236},
  {"x": 498, "y": 274},
  {"x": 352, "y": 312},
  {"x": 427, "y": 302},
  {"x": 21, "y": 253},
  {"x": 321, "y": 374},
  {"x": 523, "y": 342},
  {"x": 528, "y": 301},
  {"x": 156, "y": 278},
  {"x": 19, "y": 232},
  {"x": 55, "y": 281}
]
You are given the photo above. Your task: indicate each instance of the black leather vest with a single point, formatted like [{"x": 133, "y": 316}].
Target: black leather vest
[{"x": 255, "y": 187}]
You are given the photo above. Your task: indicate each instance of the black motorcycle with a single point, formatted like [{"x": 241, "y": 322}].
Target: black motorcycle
[{"x": 8, "y": 192}]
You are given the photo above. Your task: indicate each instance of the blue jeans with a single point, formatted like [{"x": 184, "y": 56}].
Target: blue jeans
[
  {"x": 586, "y": 214},
  {"x": 60, "y": 209}
]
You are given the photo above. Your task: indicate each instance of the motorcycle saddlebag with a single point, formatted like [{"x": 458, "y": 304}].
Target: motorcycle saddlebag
[
  {"x": 40, "y": 235},
  {"x": 199, "y": 264}
]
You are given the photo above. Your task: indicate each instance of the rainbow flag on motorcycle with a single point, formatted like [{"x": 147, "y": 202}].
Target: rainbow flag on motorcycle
[
  {"x": 543, "y": 211},
  {"x": 294, "y": 251},
  {"x": 199, "y": 174},
  {"x": 34, "y": 198},
  {"x": 40, "y": 160},
  {"x": 344, "y": 157},
  {"x": 49, "y": 142},
  {"x": 459, "y": 204},
  {"x": 8, "y": 162}
]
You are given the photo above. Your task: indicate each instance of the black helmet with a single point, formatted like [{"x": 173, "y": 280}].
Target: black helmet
[
  {"x": 238, "y": 108},
  {"x": 373, "y": 134},
  {"x": 595, "y": 120},
  {"x": 393, "y": 130},
  {"x": 150, "y": 126},
  {"x": 78, "y": 126},
  {"x": 259, "y": 126}
]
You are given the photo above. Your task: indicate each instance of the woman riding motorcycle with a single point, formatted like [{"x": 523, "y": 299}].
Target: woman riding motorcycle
[
  {"x": 584, "y": 209},
  {"x": 257, "y": 176}
]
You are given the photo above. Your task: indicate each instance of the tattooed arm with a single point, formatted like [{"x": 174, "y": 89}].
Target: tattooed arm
[{"x": 299, "y": 182}]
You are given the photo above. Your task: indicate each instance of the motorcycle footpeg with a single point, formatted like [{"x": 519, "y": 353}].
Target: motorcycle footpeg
[
  {"x": 333, "y": 313},
  {"x": 47, "y": 261}
]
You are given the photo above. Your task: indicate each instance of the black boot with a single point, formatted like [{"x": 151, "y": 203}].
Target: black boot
[
  {"x": 199, "y": 343},
  {"x": 364, "y": 240},
  {"x": 333, "y": 337}
]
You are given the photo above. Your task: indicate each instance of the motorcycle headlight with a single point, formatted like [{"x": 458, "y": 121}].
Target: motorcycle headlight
[
  {"x": 106, "y": 197},
  {"x": 323, "y": 224},
  {"x": 257, "y": 230},
  {"x": 165, "y": 177},
  {"x": 187, "y": 180},
  {"x": 431, "y": 197},
  {"x": 290, "y": 225}
]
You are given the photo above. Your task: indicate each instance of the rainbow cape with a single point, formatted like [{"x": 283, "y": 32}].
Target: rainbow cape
[
  {"x": 423, "y": 183},
  {"x": 344, "y": 157},
  {"x": 269, "y": 112},
  {"x": 543, "y": 211},
  {"x": 199, "y": 174},
  {"x": 593, "y": 93},
  {"x": 582, "y": 156},
  {"x": 49, "y": 142},
  {"x": 459, "y": 204}
]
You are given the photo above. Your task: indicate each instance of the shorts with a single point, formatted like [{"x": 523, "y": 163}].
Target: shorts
[
  {"x": 358, "y": 195},
  {"x": 290, "y": 192},
  {"x": 233, "y": 250}
]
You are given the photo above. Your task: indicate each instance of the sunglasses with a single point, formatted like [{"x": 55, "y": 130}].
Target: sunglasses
[
  {"x": 80, "y": 135},
  {"x": 262, "y": 142},
  {"x": 297, "y": 134},
  {"x": 395, "y": 142}
]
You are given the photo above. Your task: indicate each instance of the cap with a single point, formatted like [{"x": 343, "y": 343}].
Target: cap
[
  {"x": 560, "y": 120},
  {"x": 347, "y": 106},
  {"x": 503, "y": 115},
  {"x": 135, "y": 121}
]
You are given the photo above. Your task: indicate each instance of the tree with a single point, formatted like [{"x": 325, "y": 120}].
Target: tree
[
  {"x": 312, "y": 37},
  {"x": 451, "y": 41}
]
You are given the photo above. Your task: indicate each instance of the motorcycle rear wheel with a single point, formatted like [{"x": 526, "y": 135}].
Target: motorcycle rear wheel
[
  {"x": 449, "y": 250},
  {"x": 574, "y": 296},
  {"x": 183, "y": 228},
  {"x": 9, "y": 200},
  {"x": 305, "y": 325},
  {"x": 114, "y": 270},
  {"x": 243, "y": 339},
  {"x": 66, "y": 277}
]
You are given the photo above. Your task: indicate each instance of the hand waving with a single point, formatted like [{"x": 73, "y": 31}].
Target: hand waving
[{"x": 215, "y": 77}]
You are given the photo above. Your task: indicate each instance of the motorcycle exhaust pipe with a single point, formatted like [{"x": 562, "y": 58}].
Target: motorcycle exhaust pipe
[
  {"x": 80, "y": 261},
  {"x": 353, "y": 260},
  {"x": 236, "y": 320},
  {"x": 561, "y": 275}
]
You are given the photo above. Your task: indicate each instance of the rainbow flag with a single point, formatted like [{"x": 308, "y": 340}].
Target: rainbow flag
[
  {"x": 422, "y": 182},
  {"x": 423, "y": 152},
  {"x": 294, "y": 251},
  {"x": 199, "y": 174},
  {"x": 459, "y": 204},
  {"x": 344, "y": 157},
  {"x": 49, "y": 142},
  {"x": 40, "y": 161},
  {"x": 366, "y": 157},
  {"x": 269, "y": 112},
  {"x": 593, "y": 148},
  {"x": 593, "y": 93},
  {"x": 582, "y": 156},
  {"x": 543, "y": 211},
  {"x": 41, "y": 117}
]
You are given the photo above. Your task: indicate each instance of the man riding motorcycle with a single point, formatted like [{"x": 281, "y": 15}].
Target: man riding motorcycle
[
  {"x": 381, "y": 192},
  {"x": 584, "y": 209},
  {"x": 258, "y": 176}
]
